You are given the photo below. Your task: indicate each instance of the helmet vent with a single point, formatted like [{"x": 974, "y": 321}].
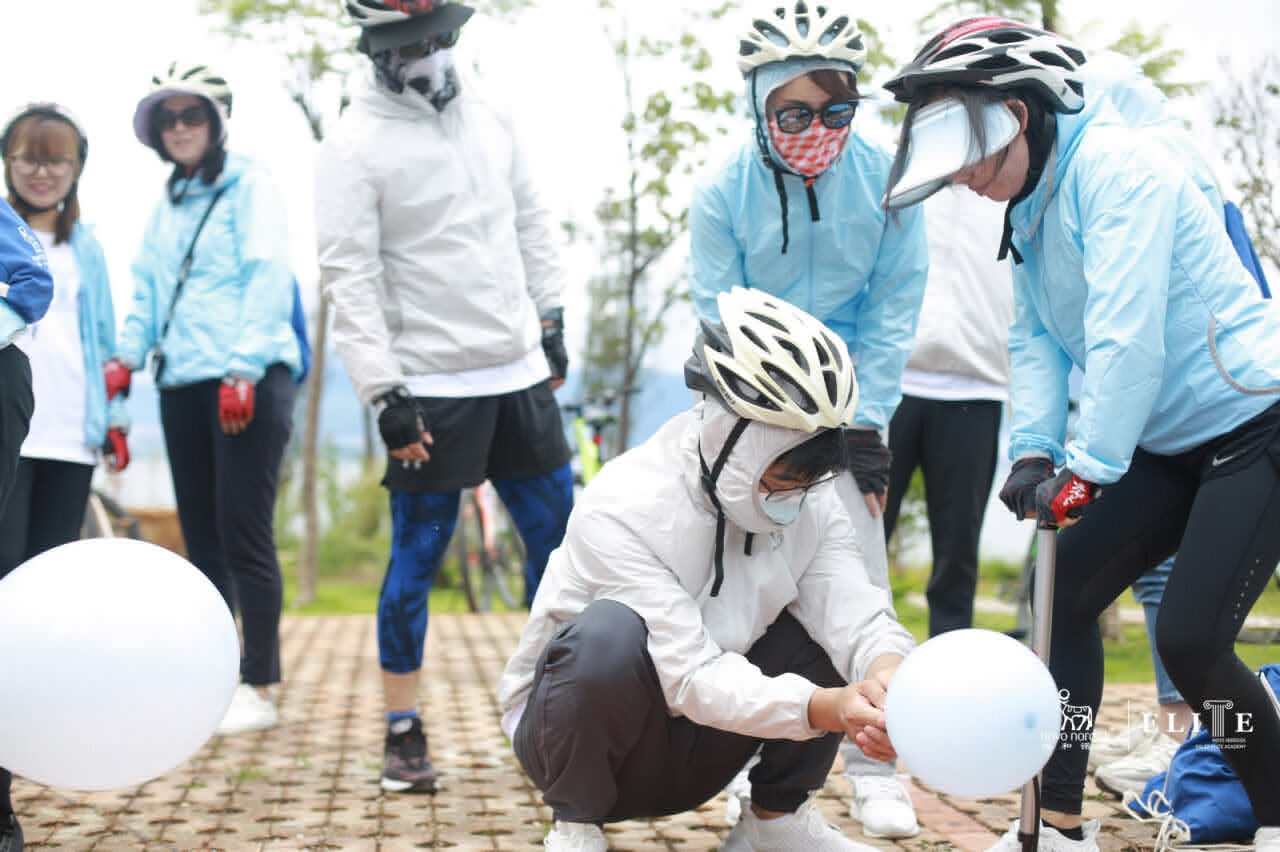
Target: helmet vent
[
  {"x": 741, "y": 387},
  {"x": 1008, "y": 36},
  {"x": 834, "y": 30},
  {"x": 773, "y": 34},
  {"x": 795, "y": 353},
  {"x": 1077, "y": 55},
  {"x": 957, "y": 50},
  {"x": 1049, "y": 58},
  {"x": 770, "y": 321},
  {"x": 996, "y": 63},
  {"x": 791, "y": 390}
]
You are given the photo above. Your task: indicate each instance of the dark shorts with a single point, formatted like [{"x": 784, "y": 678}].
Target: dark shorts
[{"x": 510, "y": 436}]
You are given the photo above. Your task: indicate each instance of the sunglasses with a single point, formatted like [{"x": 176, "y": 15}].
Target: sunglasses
[
  {"x": 796, "y": 119},
  {"x": 193, "y": 116},
  {"x": 428, "y": 46}
]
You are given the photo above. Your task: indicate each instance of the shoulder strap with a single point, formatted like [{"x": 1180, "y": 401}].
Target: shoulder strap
[{"x": 186, "y": 262}]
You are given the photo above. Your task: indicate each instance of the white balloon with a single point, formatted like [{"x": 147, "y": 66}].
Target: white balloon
[
  {"x": 118, "y": 659},
  {"x": 973, "y": 713}
]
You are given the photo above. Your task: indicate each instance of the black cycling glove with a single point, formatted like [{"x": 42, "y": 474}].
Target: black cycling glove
[
  {"x": 553, "y": 342},
  {"x": 868, "y": 459},
  {"x": 401, "y": 421},
  {"x": 1019, "y": 491}
]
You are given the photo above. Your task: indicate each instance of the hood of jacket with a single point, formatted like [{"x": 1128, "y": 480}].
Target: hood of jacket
[{"x": 737, "y": 486}]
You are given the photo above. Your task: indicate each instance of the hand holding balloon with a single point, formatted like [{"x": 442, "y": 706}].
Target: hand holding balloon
[{"x": 857, "y": 710}]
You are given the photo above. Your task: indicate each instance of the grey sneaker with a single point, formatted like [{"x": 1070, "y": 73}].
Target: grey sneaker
[{"x": 405, "y": 765}]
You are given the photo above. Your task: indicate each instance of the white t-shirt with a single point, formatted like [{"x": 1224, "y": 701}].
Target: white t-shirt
[{"x": 57, "y": 366}]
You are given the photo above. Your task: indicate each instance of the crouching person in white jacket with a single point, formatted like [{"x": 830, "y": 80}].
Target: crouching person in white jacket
[{"x": 708, "y": 600}]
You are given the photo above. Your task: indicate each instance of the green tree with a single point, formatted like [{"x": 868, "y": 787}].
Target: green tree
[
  {"x": 665, "y": 133},
  {"x": 1247, "y": 115}
]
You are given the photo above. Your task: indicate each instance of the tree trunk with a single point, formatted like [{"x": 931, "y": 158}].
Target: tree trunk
[{"x": 308, "y": 553}]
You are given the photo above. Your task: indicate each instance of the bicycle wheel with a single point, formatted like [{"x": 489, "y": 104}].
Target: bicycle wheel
[
  {"x": 505, "y": 565},
  {"x": 468, "y": 540}
]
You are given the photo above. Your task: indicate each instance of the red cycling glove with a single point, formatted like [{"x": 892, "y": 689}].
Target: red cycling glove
[
  {"x": 115, "y": 450},
  {"x": 117, "y": 376},
  {"x": 235, "y": 404},
  {"x": 1064, "y": 497}
]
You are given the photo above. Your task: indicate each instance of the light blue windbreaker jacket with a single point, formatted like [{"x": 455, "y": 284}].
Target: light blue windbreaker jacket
[
  {"x": 97, "y": 336},
  {"x": 1126, "y": 265},
  {"x": 858, "y": 269},
  {"x": 26, "y": 288},
  {"x": 233, "y": 315}
]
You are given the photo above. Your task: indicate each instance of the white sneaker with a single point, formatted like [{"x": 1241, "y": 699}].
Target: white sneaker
[
  {"x": 1104, "y": 750},
  {"x": 248, "y": 712},
  {"x": 1051, "y": 840},
  {"x": 882, "y": 805},
  {"x": 1133, "y": 772},
  {"x": 738, "y": 792},
  {"x": 803, "y": 831},
  {"x": 575, "y": 837},
  {"x": 1267, "y": 840}
]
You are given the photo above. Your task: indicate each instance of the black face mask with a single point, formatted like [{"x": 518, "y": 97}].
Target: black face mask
[{"x": 433, "y": 76}]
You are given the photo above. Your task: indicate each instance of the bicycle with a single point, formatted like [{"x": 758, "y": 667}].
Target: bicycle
[
  {"x": 489, "y": 551},
  {"x": 105, "y": 517},
  {"x": 591, "y": 417}
]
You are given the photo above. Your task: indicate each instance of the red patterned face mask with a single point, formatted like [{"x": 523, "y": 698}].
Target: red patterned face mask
[{"x": 811, "y": 151}]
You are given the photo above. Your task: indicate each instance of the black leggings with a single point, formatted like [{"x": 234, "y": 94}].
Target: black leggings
[
  {"x": 225, "y": 487},
  {"x": 1223, "y": 521}
]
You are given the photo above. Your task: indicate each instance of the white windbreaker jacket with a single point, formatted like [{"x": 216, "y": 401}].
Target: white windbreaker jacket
[
  {"x": 434, "y": 247},
  {"x": 643, "y": 534}
]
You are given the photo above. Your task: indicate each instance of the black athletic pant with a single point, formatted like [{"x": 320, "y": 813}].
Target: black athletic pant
[
  {"x": 225, "y": 487},
  {"x": 955, "y": 444},
  {"x": 45, "y": 509},
  {"x": 16, "y": 406},
  {"x": 597, "y": 739},
  {"x": 1218, "y": 507}
]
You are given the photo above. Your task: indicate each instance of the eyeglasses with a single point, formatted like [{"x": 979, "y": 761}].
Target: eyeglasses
[
  {"x": 788, "y": 492},
  {"x": 193, "y": 116},
  {"x": 26, "y": 166},
  {"x": 796, "y": 119},
  {"x": 428, "y": 46}
]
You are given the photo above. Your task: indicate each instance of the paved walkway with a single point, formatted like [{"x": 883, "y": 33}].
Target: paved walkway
[{"x": 312, "y": 783}]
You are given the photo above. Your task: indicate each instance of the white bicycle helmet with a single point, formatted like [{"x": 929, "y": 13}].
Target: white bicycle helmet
[
  {"x": 389, "y": 24},
  {"x": 994, "y": 52},
  {"x": 180, "y": 79},
  {"x": 800, "y": 29},
  {"x": 772, "y": 362},
  {"x": 50, "y": 110}
]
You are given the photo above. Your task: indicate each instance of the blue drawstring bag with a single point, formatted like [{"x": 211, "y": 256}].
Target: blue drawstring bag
[
  {"x": 299, "y": 322},
  {"x": 1200, "y": 799}
]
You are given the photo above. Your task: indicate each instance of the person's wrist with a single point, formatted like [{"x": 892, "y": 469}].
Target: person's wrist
[{"x": 394, "y": 396}]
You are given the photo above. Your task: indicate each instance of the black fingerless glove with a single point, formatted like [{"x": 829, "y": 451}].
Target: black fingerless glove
[
  {"x": 868, "y": 459},
  {"x": 1019, "y": 491},
  {"x": 553, "y": 342},
  {"x": 401, "y": 421}
]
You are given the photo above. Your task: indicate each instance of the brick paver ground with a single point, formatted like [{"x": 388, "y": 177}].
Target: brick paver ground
[{"x": 312, "y": 783}]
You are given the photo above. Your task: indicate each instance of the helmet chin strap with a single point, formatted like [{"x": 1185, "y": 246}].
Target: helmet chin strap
[{"x": 709, "y": 477}]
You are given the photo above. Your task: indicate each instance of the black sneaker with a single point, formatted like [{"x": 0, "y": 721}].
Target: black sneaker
[
  {"x": 405, "y": 765},
  {"x": 10, "y": 834}
]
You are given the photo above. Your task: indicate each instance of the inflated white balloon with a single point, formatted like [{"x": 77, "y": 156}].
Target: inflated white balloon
[
  {"x": 973, "y": 713},
  {"x": 118, "y": 659}
]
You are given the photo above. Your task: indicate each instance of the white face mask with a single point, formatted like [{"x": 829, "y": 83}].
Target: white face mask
[{"x": 784, "y": 510}]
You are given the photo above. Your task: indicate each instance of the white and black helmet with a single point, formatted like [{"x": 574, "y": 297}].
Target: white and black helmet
[
  {"x": 183, "y": 79},
  {"x": 800, "y": 29},
  {"x": 767, "y": 360},
  {"x": 999, "y": 53},
  {"x": 389, "y": 24},
  {"x": 47, "y": 109}
]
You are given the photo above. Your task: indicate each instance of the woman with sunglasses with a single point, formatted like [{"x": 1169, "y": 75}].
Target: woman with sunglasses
[
  {"x": 796, "y": 212},
  {"x": 213, "y": 299},
  {"x": 73, "y": 424},
  {"x": 1123, "y": 269}
]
